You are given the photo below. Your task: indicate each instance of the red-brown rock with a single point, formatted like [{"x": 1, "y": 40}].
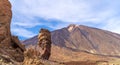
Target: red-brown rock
[
  {"x": 5, "y": 19},
  {"x": 44, "y": 42},
  {"x": 9, "y": 45}
]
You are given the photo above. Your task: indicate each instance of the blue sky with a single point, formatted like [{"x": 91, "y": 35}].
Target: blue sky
[{"x": 31, "y": 15}]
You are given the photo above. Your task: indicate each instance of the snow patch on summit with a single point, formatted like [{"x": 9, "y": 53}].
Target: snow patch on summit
[{"x": 72, "y": 26}]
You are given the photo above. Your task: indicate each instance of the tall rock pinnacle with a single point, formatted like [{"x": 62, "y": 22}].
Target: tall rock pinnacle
[
  {"x": 5, "y": 20},
  {"x": 9, "y": 45}
]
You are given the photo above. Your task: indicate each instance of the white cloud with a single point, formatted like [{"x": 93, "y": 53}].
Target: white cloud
[
  {"x": 113, "y": 25},
  {"x": 70, "y": 11},
  {"x": 26, "y": 24},
  {"x": 24, "y": 20},
  {"x": 66, "y": 10},
  {"x": 22, "y": 32}
]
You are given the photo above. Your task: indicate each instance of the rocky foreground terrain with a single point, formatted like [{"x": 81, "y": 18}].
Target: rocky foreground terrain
[{"x": 73, "y": 45}]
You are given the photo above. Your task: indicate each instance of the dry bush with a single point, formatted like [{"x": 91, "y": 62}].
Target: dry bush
[
  {"x": 32, "y": 57},
  {"x": 31, "y": 52}
]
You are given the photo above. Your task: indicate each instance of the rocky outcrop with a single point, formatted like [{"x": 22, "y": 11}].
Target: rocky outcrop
[
  {"x": 14, "y": 51},
  {"x": 40, "y": 53},
  {"x": 17, "y": 43},
  {"x": 44, "y": 42},
  {"x": 9, "y": 45},
  {"x": 6, "y": 60},
  {"x": 5, "y": 20}
]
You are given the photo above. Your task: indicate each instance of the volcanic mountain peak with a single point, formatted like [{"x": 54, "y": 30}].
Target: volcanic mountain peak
[
  {"x": 75, "y": 39},
  {"x": 71, "y": 27}
]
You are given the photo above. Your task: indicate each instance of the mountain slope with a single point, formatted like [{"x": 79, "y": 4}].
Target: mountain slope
[
  {"x": 61, "y": 54},
  {"x": 79, "y": 37}
]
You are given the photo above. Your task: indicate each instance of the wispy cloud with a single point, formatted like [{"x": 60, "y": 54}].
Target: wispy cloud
[
  {"x": 113, "y": 25},
  {"x": 24, "y": 20},
  {"x": 100, "y": 12},
  {"x": 22, "y": 32},
  {"x": 67, "y": 10}
]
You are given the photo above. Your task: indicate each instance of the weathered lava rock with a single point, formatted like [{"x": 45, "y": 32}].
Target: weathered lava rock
[
  {"x": 5, "y": 20},
  {"x": 44, "y": 42},
  {"x": 9, "y": 45}
]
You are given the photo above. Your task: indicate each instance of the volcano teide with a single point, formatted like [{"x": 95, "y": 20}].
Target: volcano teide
[{"x": 84, "y": 38}]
